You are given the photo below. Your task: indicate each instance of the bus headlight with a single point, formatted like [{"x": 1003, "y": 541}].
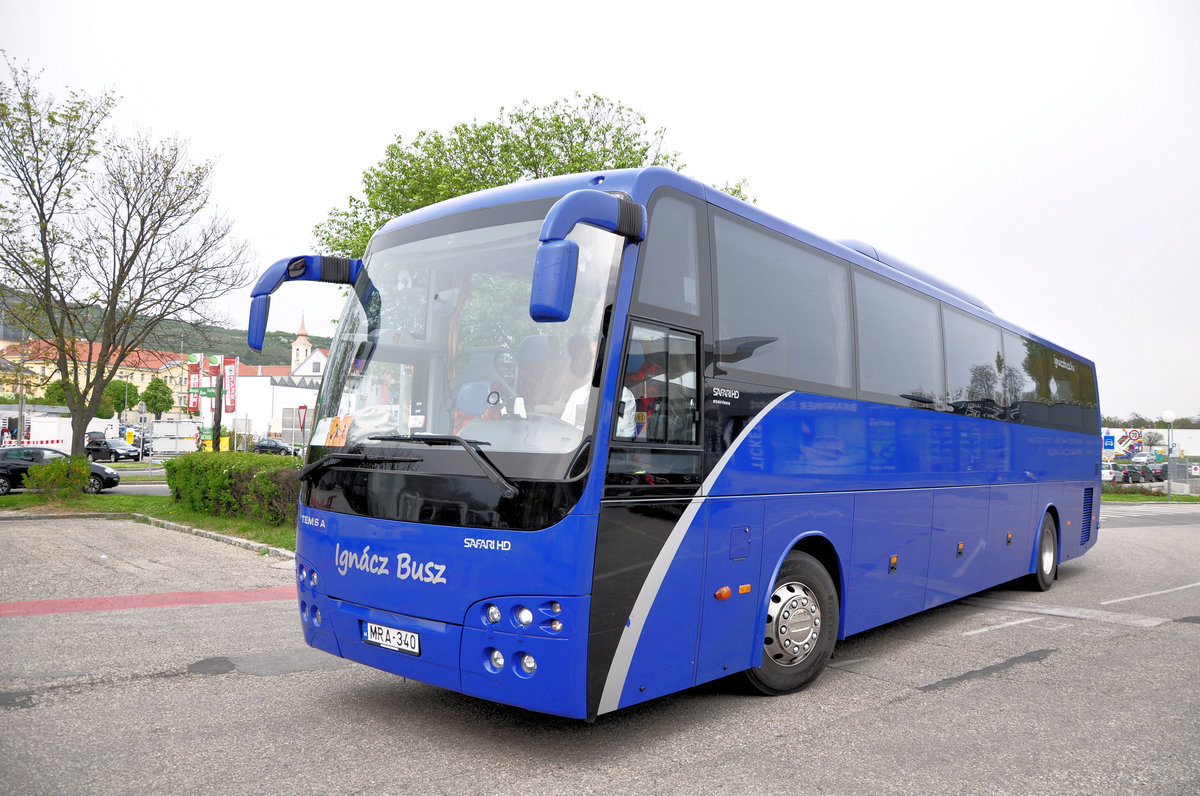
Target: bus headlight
[
  {"x": 497, "y": 660},
  {"x": 524, "y": 616},
  {"x": 493, "y": 614},
  {"x": 528, "y": 664}
]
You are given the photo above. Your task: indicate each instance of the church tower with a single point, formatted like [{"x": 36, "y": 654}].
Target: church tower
[{"x": 301, "y": 347}]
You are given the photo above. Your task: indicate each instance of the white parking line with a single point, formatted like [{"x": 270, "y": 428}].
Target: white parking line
[
  {"x": 1131, "y": 620},
  {"x": 1150, "y": 594},
  {"x": 1003, "y": 624}
]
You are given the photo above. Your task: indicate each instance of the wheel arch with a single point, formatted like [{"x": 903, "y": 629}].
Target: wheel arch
[
  {"x": 1050, "y": 509},
  {"x": 819, "y": 546}
]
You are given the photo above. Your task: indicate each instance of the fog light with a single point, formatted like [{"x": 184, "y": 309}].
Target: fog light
[
  {"x": 555, "y": 608},
  {"x": 316, "y": 616},
  {"x": 555, "y": 625},
  {"x": 524, "y": 616},
  {"x": 493, "y": 614},
  {"x": 528, "y": 664},
  {"x": 497, "y": 659}
]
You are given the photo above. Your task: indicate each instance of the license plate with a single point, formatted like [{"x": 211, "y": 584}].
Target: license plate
[{"x": 391, "y": 638}]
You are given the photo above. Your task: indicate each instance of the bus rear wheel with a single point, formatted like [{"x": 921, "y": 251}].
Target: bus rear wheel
[
  {"x": 802, "y": 627},
  {"x": 1047, "y": 556}
]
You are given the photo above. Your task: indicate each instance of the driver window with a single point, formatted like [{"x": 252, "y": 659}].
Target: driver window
[{"x": 657, "y": 400}]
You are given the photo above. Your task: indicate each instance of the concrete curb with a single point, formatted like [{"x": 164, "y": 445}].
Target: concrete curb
[{"x": 257, "y": 547}]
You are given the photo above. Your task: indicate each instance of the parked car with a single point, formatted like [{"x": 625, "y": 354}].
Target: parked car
[
  {"x": 269, "y": 445},
  {"x": 111, "y": 450},
  {"x": 1158, "y": 470},
  {"x": 1142, "y": 458},
  {"x": 1147, "y": 473},
  {"x": 16, "y": 462},
  {"x": 1127, "y": 473},
  {"x": 1107, "y": 471}
]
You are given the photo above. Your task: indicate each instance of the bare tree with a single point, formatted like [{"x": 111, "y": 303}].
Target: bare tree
[{"x": 95, "y": 261}]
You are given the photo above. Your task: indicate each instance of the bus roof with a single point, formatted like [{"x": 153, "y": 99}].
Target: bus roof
[{"x": 640, "y": 183}]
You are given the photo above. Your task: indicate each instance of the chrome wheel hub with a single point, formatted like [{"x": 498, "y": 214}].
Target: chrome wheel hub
[
  {"x": 1047, "y": 553},
  {"x": 793, "y": 624}
]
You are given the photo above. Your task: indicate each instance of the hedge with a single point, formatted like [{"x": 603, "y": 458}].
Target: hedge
[
  {"x": 60, "y": 478},
  {"x": 237, "y": 484}
]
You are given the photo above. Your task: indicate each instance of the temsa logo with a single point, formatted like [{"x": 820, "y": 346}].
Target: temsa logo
[{"x": 315, "y": 522}]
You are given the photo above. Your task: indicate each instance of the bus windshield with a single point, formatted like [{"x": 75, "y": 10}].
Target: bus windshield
[{"x": 436, "y": 341}]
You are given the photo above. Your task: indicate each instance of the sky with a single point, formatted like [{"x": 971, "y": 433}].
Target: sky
[{"x": 1043, "y": 156}]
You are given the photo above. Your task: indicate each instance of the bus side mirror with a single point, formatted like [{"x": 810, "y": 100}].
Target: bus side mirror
[
  {"x": 338, "y": 270},
  {"x": 260, "y": 306},
  {"x": 553, "y": 281},
  {"x": 558, "y": 258}
]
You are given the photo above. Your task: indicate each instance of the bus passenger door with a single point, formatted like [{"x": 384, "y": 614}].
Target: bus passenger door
[
  {"x": 651, "y": 534},
  {"x": 730, "y": 597}
]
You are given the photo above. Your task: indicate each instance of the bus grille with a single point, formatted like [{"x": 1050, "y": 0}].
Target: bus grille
[{"x": 1085, "y": 533}]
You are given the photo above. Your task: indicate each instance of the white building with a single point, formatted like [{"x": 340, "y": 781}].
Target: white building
[{"x": 269, "y": 397}]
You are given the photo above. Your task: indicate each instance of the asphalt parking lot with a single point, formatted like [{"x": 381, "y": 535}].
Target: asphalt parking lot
[{"x": 135, "y": 659}]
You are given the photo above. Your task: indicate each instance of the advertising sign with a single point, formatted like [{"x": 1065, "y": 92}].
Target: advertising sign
[
  {"x": 194, "y": 382},
  {"x": 231, "y": 369}
]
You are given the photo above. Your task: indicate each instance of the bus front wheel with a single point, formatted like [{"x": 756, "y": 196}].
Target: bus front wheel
[
  {"x": 1047, "y": 556},
  {"x": 802, "y": 626}
]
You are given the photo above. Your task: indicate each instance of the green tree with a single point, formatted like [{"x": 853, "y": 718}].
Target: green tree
[
  {"x": 158, "y": 397},
  {"x": 123, "y": 394},
  {"x": 54, "y": 393},
  {"x": 527, "y": 142},
  {"x": 1136, "y": 420},
  {"x": 100, "y": 244},
  {"x": 104, "y": 409}
]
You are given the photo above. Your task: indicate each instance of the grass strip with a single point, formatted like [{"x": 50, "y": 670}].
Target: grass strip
[{"x": 162, "y": 508}]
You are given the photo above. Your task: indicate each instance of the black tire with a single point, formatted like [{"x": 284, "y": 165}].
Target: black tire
[
  {"x": 94, "y": 485},
  {"x": 5, "y": 485},
  {"x": 803, "y": 615},
  {"x": 1046, "y": 564}
]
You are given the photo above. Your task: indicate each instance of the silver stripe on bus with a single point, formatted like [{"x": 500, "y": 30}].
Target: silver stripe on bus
[{"x": 614, "y": 684}]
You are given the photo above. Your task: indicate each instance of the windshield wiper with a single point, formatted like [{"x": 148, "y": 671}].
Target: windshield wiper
[
  {"x": 313, "y": 471},
  {"x": 507, "y": 488}
]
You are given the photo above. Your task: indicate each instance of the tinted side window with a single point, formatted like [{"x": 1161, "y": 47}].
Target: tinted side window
[
  {"x": 783, "y": 309},
  {"x": 669, "y": 275},
  {"x": 1044, "y": 387},
  {"x": 899, "y": 343},
  {"x": 974, "y": 364}
]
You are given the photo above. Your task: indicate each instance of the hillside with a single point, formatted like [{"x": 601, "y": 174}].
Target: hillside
[{"x": 277, "y": 346}]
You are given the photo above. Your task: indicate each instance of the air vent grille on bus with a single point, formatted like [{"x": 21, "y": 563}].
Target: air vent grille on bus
[{"x": 1085, "y": 533}]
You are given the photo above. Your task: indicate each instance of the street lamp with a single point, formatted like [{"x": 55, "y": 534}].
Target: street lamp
[{"x": 1169, "y": 418}]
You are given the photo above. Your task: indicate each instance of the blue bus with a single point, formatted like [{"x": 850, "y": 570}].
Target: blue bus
[{"x": 588, "y": 440}]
